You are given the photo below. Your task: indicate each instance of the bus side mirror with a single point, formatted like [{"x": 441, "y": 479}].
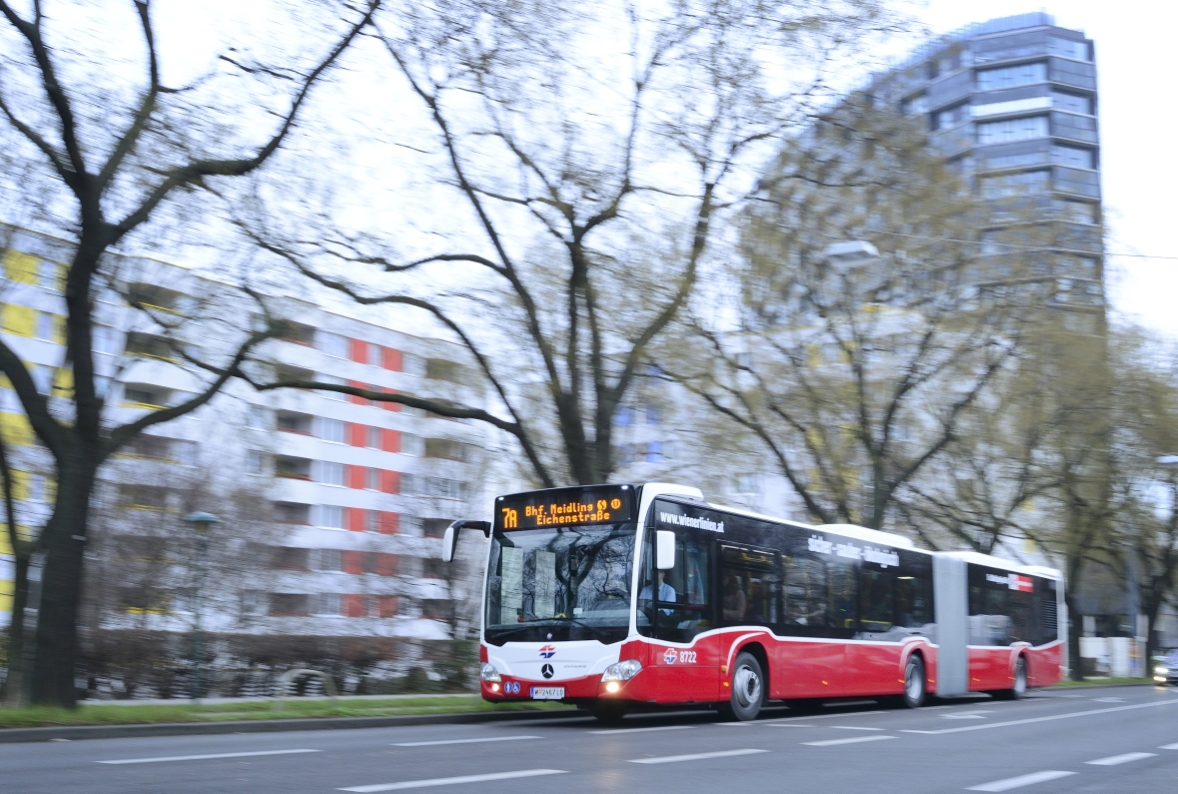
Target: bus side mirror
[
  {"x": 450, "y": 539},
  {"x": 664, "y": 550}
]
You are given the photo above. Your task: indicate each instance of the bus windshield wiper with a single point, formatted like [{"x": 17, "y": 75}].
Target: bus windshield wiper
[
  {"x": 578, "y": 622},
  {"x": 601, "y": 633}
]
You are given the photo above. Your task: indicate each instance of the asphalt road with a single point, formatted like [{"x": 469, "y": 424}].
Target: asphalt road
[{"x": 1122, "y": 739}]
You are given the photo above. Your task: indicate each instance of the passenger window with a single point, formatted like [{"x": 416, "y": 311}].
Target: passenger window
[
  {"x": 842, "y": 601},
  {"x": 749, "y": 586},
  {"x": 876, "y": 600},
  {"x": 805, "y": 592},
  {"x": 913, "y": 602}
]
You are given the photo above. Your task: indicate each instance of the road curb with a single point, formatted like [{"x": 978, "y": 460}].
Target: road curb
[{"x": 81, "y": 732}]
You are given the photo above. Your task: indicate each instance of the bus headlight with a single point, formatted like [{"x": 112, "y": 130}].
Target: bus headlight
[
  {"x": 489, "y": 674},
  {"x": 622, "y": 671},
  {"x": 1159, "y": 670}
]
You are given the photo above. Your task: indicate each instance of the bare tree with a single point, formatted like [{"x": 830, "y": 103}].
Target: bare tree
[
  {"x": 854, "y": 370},
  {"x": 115, "y": 153},
  {"x": 582, "y": 190}
]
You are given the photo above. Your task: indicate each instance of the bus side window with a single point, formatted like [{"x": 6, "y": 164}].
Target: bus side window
[
  {"x": 913, "y": 602},
  {"x": 876, "y": 599},
  {"x": 749, "y": 586},
  {"x": 842, "y": 601},
  {"x": 805, "y": 592}
]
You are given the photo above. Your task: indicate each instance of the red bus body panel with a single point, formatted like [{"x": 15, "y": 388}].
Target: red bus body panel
[{"x": 799, "y": 667}]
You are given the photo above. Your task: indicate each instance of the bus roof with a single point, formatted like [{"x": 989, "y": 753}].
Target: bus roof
[{"x": 989, "y": 560}]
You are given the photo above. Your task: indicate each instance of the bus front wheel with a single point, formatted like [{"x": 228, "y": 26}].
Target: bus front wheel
[
  {"x": 748, "y": 689},
  {"x": 609, "y": 711}
]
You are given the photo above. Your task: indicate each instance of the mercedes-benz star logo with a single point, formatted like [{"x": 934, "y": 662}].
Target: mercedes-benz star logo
[{"x": 547, "y": 671}]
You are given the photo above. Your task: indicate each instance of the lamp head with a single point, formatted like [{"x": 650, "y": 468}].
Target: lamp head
[{"x": 201, "y": 520}]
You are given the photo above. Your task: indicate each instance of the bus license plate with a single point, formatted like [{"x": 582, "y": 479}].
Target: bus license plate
[{"x": 547, "y": 693}]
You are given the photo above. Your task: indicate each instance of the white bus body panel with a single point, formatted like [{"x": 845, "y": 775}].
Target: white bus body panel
[{"x": 569, "y": 659}]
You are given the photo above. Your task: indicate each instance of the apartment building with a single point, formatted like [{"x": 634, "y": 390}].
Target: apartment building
[{"x": 331, "y": 505}]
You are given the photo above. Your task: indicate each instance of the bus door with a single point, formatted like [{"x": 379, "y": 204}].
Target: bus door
[
  {"x": 676, "y": 611},
  {"x": 750, "y": 593},
  {"x": 813, "y": 660}
]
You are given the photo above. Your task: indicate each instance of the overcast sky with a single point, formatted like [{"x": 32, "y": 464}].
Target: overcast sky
[
  {"x": 1138, "y": 115},
  {"x": 1139, "y": 161}
]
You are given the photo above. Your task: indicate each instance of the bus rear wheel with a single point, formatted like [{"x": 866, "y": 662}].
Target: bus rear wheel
[
  {"x": 1019, "y": 689},
  {"x": 748, "y": 689},
  {"x": 913, "y": 697}
]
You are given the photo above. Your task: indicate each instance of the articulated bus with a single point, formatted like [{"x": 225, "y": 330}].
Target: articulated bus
[{"x": 617, "y": 595}]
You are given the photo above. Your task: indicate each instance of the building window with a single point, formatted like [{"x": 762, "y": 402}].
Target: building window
[
  {"x": 1076, "y": 211},
  {"x": 1012, "y": 130},
  {"x": 1068, "y": 48},
  {"x": 255, "y": 462},
  {"x": 624, "y": 416},
  {"x": 332, "y": 344},
  {"x": 333, "y": 430},
  {"x": 915, "y": 106},
  {"x": 133, "y": 394},
  {"x": 327, "y": 560},
  {"x": 258, "y": 418},
  {"x": 1073, "y": 156},
  {"x": 654, "y": 452},
  {"x": 413, "y": 365},
  {"x": 288, "y": 604},
  {"x": 373, "y": 480},
  {"x": 1026, "y": 182},
  {"x": 1072, "y": 103},
  {"x": 330, "y": 516},
  {"x": 442, "y": 487},
  {"x": 412, "y": 445},
  {"x": 652, "y": 414},
  {"x": 326, "y": 604},
  {"x": 1008, "y": 76},
  {"x": 373, "y": 438},
  {"x": 330, "y": 473},
  {"x": 951, "y": 117}
]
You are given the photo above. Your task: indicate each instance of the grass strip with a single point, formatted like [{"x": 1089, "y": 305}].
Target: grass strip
[
  {"x": 1067, "y": 682},
  {"x": 48, "y": 716}
]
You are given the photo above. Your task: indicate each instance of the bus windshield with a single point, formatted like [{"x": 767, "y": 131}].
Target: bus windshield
[{"x": 560, "y": 583}]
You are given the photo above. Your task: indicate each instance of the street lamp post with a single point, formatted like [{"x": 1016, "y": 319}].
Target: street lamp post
[{"x": 200, "y": 522}]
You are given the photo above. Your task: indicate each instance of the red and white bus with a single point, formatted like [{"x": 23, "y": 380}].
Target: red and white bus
[{"x": 614, "y": 595}]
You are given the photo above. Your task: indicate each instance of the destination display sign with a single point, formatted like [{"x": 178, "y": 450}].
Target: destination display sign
[{"x": 604, "y": 504}]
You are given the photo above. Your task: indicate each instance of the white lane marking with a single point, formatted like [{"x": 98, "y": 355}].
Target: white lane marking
[
  {"x": 1045, "y": 719},
  {"x": 1108, "y": 700},
  {"x": 452, "y": 781},
  {"x": 1124, "y": 758},
  {"x": 844, "y": 715},
  {"x": 962, "y": 717},
  {"x": 161, "y": 759},
  {"x": 854, "y": 728},
  {"x": 789, "y": 725},
  {"x": 1020, "y": 781},
  {"x": 641, "y": 730},
  {"x": 464, "y": 741},
  {"x": 1169, "y": 746},
  {"x": 856, "y": 740},
  {"x": 671, "y": 759}
]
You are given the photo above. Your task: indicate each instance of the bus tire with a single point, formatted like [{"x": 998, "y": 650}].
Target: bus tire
[
  {"x": 913, "y": 697},
  {"x": 748, "y": 689},
  {"x": 1019, "y": 689},
  {"x": 609, "y": 712}
]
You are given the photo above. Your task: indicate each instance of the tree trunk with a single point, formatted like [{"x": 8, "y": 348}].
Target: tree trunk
[
  {"x": 16, "y": 685},
  {"x": 63, "y": 540},
  {"x": 1076, "y": 622}
]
